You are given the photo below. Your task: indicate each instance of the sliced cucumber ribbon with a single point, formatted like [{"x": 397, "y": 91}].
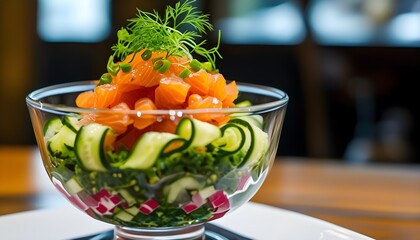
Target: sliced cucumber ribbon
[
  {"x": 59, "y": 138},
  {"x": 232, "y": 139},
  {"x": 256, "y": 143},
  {"x": 241, "y": 135},
  {"x": 197, "y": 133},
  {"x": 89, "y": 147},
  {"x": 148, "y": 148},
  {"x": 52, "y": 127}
]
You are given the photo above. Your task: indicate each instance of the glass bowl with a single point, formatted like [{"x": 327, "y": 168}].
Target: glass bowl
[{"x": 164, "y": 181}]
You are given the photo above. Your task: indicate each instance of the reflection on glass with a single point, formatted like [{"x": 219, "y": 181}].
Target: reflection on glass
[
  {"x": 262, "y": 22},
  {"x": 73, "y": 20},
  {"x": 365, "y": 22}
]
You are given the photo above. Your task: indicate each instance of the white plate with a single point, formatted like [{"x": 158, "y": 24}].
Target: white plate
[{"x": 252, "y": 220}]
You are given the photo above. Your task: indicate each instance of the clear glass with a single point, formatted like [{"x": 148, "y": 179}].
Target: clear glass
[{"x": 174, "y": 196}]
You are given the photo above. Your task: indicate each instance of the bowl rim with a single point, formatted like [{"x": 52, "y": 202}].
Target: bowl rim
[{"x": 33, "y": 100}]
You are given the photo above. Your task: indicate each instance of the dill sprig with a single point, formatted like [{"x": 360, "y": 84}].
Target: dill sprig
[{"x": 150, "y": 30}]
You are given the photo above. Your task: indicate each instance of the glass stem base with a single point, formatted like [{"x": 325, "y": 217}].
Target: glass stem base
[{"x": 194, "y": 232}]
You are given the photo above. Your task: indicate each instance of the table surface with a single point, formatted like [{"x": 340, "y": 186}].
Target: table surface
[{"x": 378, "y": 200}]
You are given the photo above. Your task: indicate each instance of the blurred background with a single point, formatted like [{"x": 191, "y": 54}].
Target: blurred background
[{"x": 350, "y": 67}]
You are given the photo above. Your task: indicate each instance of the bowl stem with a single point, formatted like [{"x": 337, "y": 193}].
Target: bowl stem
[{"x": 192, "y": 232}]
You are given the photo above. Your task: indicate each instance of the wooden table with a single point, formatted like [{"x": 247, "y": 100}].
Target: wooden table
[{"x": 381, "y": 201}]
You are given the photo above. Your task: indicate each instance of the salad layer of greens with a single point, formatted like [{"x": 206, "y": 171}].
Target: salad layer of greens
[{"x": 187, "y": 180}]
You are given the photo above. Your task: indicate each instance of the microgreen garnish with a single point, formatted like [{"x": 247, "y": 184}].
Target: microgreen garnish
[{"x": 150, "y": 30}]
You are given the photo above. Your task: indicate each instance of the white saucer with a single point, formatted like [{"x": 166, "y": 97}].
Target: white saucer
[{"x": 256, "y": 221}]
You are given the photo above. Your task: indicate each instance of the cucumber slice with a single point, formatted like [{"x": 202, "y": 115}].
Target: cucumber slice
[
  {"x": 71, "y": 122},
  {"x": 260, "y": 145},
  {"x": 173, "y": 146},
  {"x": 148, "y": 148},
  {"x": 248, "y": 143},
  {"x": 174, "y": 190},
  {"x": 197, "y": 133},
  {"x": 232, "y": 140},
  {"x": 89, "y": 147},
  {"x": 257, "y": 120},
  {"x": 52, "y": 127},
  {"x": 256, "y": 142},
  {"x": 62, "y": 142},
  {"x": 245, "y": 103}
]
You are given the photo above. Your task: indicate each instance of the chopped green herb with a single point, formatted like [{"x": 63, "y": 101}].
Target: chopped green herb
[{"x": 151, "y": 31}]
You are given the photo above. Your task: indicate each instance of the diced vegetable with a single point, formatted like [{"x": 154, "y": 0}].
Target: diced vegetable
[
  {"x": 123, "y": 215},
  {"x": 148, "y": 206},
  {"x": 186, "y": 183},
  {"x": 72, "y": 186},
  {"x": 128, "y": 198}
]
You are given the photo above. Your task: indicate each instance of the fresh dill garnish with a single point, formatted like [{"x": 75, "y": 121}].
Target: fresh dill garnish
[{"x": 150, "y": 30}]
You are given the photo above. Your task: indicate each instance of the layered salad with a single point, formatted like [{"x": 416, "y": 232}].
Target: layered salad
[{"x": 154, "y": 145}]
